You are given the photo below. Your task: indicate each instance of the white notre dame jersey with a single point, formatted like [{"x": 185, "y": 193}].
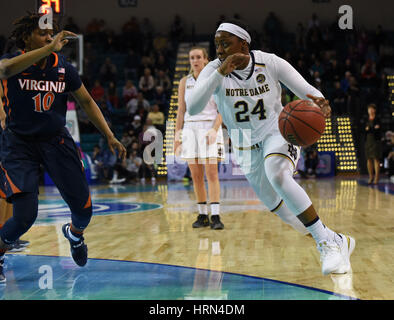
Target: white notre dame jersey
[
  {"x": 210, "y": 112},
  {"x": 249, "y": 100}
]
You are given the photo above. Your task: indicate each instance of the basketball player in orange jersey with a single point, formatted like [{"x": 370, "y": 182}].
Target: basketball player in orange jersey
[
  {"x": 200, "y": 140},
  {"x": 246, "y": 87}
]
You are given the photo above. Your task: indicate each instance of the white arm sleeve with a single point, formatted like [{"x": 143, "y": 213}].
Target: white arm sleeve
[
  {"x": 293, "y": 80},
  {"x": 207, "y": 82}
]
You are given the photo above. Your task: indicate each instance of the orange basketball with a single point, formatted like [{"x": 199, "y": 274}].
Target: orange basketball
[{"x": 301, "y": 122}]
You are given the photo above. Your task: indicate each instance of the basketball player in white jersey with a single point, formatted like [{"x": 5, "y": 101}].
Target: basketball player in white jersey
[
  {"x": 199, "y": 139},
  {"x": 246, "y": 87}
]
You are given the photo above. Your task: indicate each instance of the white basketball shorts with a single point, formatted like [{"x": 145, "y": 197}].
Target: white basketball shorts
[{"x": 195, "y": 142}]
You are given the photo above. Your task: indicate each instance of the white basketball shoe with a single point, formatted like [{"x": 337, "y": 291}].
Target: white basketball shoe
[{"x": 335, "y": 254}]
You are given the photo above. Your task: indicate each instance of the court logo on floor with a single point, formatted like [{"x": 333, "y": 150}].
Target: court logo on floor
[{"x": 50, "y": 211}]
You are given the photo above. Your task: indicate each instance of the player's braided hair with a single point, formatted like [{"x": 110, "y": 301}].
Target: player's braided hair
[{"x": 24, "y": 26}]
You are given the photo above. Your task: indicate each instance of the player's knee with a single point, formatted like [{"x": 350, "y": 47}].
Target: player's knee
[
  {"x": 211, "y": 172},
  {"x": 197, "y": 172},
  {"x": 25, "y": 210},
  {"x": 277, "y": 178},
  {"x": 278, "y": 171}
]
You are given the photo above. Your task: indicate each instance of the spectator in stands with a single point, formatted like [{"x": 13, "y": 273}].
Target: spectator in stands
[
  {"x": 98, "y": 91},
  {"x": 160, "y": 42},
  {"x": 112, "y": 95},
  {"x": 316, "y": 78},
  {"x": 333, "y": 71},
  {"x": 345, "y": 82},
  {"x": 142, "y": 112},
  {"x": 96, "y": 154},
  {"x": 106, "y": 109},
  {"x": 147, "y": 83},
  {"x": 135, "y": 147},
  {"x": 303, "y": 69},
  {"x": 108, "y": 71},
  {"x": 146, "y": 62},
  {"x": 373, "y": 145},
  {"x": 109, "y": 41},
  {"x": 161, "y": 64},
  {"x": 163, "y": 80},
  {"x": 350, "y": 67},
  {"x": 136, "y": 103},
  {"x": 127, "y": 138},
  {"x": 129, "y": 92},
  {"x": 131, "y": 65},
  {"x": 311, "y": 161},
  {"x": 317, "y": 66},
  {"x": 339, "y": 99},
  {"x": 132, "y": 165},
  {"x": 368, "y": 73},
  {"x": 157, "y": 118},
  {"x": 160, "y": 97},
  {"x": 118, "y": 175},
  {"x": 136, "y": 125},
  {"x": 104, "y": 160}
]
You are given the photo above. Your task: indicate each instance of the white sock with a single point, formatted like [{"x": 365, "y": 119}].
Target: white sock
[
  {"x": 318, "y": 231},
  {"x": 74, "y": 238},
  {"x": 215, "y": 208},
  {"x": 202, "y": 208}
]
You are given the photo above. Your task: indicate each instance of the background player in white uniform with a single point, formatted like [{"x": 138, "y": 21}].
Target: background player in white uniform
[
  {"x": 246, "y": 88},
  {"x": 199, "y": 139}
]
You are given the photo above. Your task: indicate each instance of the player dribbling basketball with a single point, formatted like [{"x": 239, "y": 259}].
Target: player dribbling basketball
[{"x": 246, "y": 88}]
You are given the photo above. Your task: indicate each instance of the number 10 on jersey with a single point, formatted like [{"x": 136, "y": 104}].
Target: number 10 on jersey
[{"x": 44, "y": 104}]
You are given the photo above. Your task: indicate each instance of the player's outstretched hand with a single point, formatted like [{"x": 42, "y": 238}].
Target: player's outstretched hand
[
  {"x": 114, "y": 144},
  {"x": 232, "y": 62},
  {"x": 60, "y": 40},
  {"x": 324, "y": 104}
]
